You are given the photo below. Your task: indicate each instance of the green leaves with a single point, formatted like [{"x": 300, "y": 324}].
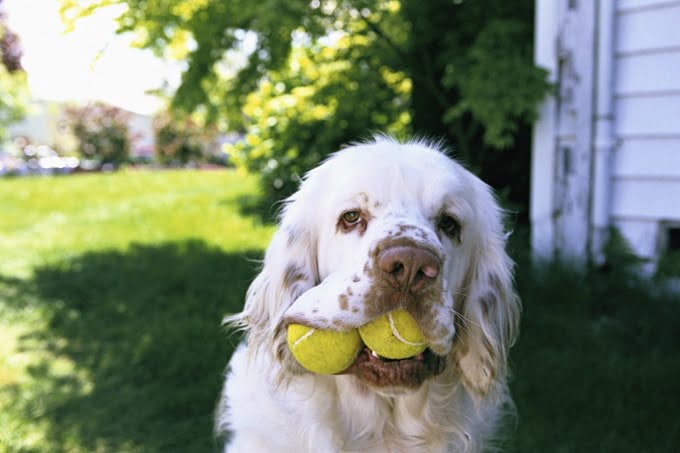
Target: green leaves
[
  {"x": 13, "y": 84},
  {"x": 300, "y": 78},
  {"x": 310, "y": 108},
  {"x": 497, "y": 86}
]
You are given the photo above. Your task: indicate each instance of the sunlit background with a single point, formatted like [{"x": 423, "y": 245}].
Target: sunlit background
[{"x": 91, "y": 62}]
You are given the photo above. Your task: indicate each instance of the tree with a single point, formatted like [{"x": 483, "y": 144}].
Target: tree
[
  {"x": 469, "y": 62},
  {"x": 102, "y": 132},
  {"x": 13, "y": 85},
  {"x": 311, "y": 107}
]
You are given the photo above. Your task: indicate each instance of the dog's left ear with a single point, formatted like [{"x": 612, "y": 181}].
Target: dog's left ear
[
  {"x": 488, "y": 323},
  {"x": 289, "y": 269}
]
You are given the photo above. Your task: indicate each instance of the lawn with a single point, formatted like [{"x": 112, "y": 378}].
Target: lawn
[{"x": 112, "y": 288}]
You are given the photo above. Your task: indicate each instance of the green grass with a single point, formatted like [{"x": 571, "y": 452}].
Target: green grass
[{"x": 112, "y": 288}]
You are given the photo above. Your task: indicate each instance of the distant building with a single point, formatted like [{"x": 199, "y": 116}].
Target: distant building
[
  {"x": 606, "y": 148},
  {"x": 45, "y": 124}
]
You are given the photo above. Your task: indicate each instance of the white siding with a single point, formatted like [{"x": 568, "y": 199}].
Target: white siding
[
  {"x": 646, "y": 198},
  {"x": 574, "y": 134},
  {"x": 647, "y": 158},
  {"x": 543, "y": 149},
  {"x": 655, "y": 73},
  {"x": 643, "y": 174},
  {"x": 649, "y": 30},
  {"x": 648, "y": 116},
  {"x": 646, "y": 165},
  {"x": 628, "y": 5}
]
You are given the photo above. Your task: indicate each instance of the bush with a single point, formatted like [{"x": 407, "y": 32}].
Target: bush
[
  {"x": 102, "y": 132},
  {"x": 319, "y": 102},
  {"x": 180, "y": 140}
]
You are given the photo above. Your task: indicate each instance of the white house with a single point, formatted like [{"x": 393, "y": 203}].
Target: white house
[{"x": 606, "y": 148}]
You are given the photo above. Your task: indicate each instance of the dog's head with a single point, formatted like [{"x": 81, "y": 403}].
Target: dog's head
[{"x": 382, "y": 226}]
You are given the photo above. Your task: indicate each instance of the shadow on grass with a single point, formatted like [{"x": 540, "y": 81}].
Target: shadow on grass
[
  {"x": 141, "y": 330},
  {"x": 596, "y": 366},
  {"x": 264, "y": 210}
]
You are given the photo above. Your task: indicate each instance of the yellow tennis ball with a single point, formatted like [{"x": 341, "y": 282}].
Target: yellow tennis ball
[
  {"x": 394, "y": 336},
  {"x": 323, "y": 351}
]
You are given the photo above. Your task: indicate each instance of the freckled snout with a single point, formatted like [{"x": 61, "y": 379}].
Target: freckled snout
[{"x": 408, "y": 268}]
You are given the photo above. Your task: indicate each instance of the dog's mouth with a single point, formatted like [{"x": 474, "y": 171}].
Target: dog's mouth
[{"x": 409, "y": 373}]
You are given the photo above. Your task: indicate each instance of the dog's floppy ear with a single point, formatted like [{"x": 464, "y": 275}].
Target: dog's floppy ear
[
  {"x": 289, "y": 269},
  {"x": 488, "y": 322}
]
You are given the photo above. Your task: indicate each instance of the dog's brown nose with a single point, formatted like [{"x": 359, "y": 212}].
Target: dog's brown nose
[{"x": 408, "y": 268}]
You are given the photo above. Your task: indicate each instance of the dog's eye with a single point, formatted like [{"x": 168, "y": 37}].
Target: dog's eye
[
  {"x": 351, "y": 217},
  {"x": 450, "y": 226}
]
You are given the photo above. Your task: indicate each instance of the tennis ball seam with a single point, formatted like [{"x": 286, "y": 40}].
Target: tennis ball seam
[
  {"x": 303, "y": 337},
  {"x": 396, "y": 333}
]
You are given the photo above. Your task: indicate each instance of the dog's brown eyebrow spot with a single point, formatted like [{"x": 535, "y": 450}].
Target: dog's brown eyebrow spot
[
  {"x": 344, "y": 301},
  {"x": 355, "y": 310}
]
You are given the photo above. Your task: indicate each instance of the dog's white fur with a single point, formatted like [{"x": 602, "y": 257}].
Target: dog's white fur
[{"x": 270, "y": 403}]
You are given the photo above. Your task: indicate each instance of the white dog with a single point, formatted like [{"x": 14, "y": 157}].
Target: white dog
[{"x": 379, "y": 226}]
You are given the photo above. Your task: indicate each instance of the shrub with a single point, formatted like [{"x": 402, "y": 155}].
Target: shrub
[
  {"x": 180, "y": 140},
  {"x": 101, "y": 131},
  {"x": 319, "y": 102}
]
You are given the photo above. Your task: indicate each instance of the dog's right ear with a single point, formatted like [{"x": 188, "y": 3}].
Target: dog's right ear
[{"x": 289, "y": 269}]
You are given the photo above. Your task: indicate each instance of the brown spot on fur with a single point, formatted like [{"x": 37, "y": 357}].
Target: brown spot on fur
[
  {"x": 344, "y": 301},
  {"x": 355, "y": 310},
  {"x": 382, "y": 297},
  {"x": 356, "y": 278},
  {"x": 349, "y": 291},
  {"x": 399, "y": 242},
  {"x": 293, "y": 274}
]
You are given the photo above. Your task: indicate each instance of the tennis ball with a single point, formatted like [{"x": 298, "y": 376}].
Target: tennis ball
[
  {"x": 323, "y": 351},
  {"x": 394, "y": 336}
]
